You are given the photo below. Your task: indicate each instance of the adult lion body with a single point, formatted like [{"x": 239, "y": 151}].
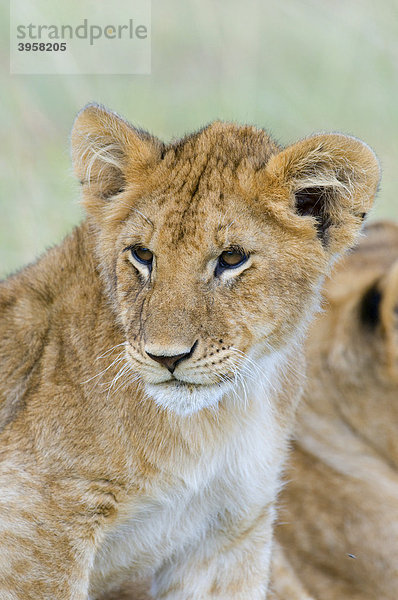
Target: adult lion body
[
  {"x": 134, "y": 438},
  {"x": 340, "y": 507}
]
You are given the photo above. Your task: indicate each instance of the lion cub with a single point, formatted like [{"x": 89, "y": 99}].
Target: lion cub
[
  {"x": 340, "y": 518},
  {"x": 151, "y": 364}
]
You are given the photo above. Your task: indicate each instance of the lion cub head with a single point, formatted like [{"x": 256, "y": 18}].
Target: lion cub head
[{"x": 213, "y": 248}]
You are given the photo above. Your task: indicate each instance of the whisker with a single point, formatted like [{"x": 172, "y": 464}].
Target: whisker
[
  {"x": 249, "y": 365},
  {"x": 117, "y": 359},
  {"x": 110, "y": 350}
]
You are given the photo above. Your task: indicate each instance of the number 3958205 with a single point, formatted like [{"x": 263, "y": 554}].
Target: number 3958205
[{"x": 42, "y": 47}]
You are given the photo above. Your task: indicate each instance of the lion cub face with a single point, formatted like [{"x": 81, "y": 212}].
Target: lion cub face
[{"x": 213, "y": 248}]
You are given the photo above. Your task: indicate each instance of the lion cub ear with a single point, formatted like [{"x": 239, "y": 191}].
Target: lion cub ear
[
  {"x": 108, "y": 153},
  {"x": 330, "y": 178}
]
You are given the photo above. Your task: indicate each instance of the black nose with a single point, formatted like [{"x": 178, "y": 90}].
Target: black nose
[{"x": 170, "y": 362}]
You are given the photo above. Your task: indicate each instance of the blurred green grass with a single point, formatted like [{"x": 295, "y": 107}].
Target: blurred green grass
[{"x": 295, "y": 68}]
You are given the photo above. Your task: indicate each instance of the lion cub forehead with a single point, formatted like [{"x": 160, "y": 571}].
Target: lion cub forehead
[
  {"x": 204, "y": 175},
  {"x": 204, "y": 222},
  {"x": 205, "y": 184},
  {"x": 227, "y": 143}
]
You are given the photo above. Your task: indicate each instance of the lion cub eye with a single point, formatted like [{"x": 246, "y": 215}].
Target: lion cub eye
[
  {"x": 142, "y": 255},
  {"x": 230, "y": 259}
]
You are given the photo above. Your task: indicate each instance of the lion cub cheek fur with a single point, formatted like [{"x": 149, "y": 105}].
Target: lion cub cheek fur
[{"x": 115, "y": 465}]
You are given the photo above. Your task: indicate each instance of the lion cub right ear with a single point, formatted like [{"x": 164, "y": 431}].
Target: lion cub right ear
[{"x": 108, "y": 153}]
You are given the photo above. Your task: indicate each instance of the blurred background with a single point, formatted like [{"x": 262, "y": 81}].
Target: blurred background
[{"x": 294, "y": 67}]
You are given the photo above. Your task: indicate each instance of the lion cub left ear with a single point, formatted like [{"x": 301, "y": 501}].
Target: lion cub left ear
[
  {"x": 331, "y": 178},
  {"x": 108, "y": 153}
]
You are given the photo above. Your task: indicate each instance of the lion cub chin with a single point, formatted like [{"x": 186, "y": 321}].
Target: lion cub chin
[{"x": 151, "y": 364}]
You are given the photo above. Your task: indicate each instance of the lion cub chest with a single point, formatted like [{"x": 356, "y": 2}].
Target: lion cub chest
[{"x": 186, "y": 505}]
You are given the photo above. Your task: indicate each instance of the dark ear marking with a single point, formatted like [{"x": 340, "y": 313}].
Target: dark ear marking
[
  {"x": 370, "y": 307},
  {"x": 312, "y": 202}
]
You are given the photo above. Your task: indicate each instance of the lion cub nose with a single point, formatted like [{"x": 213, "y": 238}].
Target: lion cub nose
[{"x": 170, "y": 362}]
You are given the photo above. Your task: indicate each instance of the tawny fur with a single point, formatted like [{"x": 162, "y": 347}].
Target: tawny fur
[
  {"x": 113, "y": 468},
  {"x": 339, "y": 523}
]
